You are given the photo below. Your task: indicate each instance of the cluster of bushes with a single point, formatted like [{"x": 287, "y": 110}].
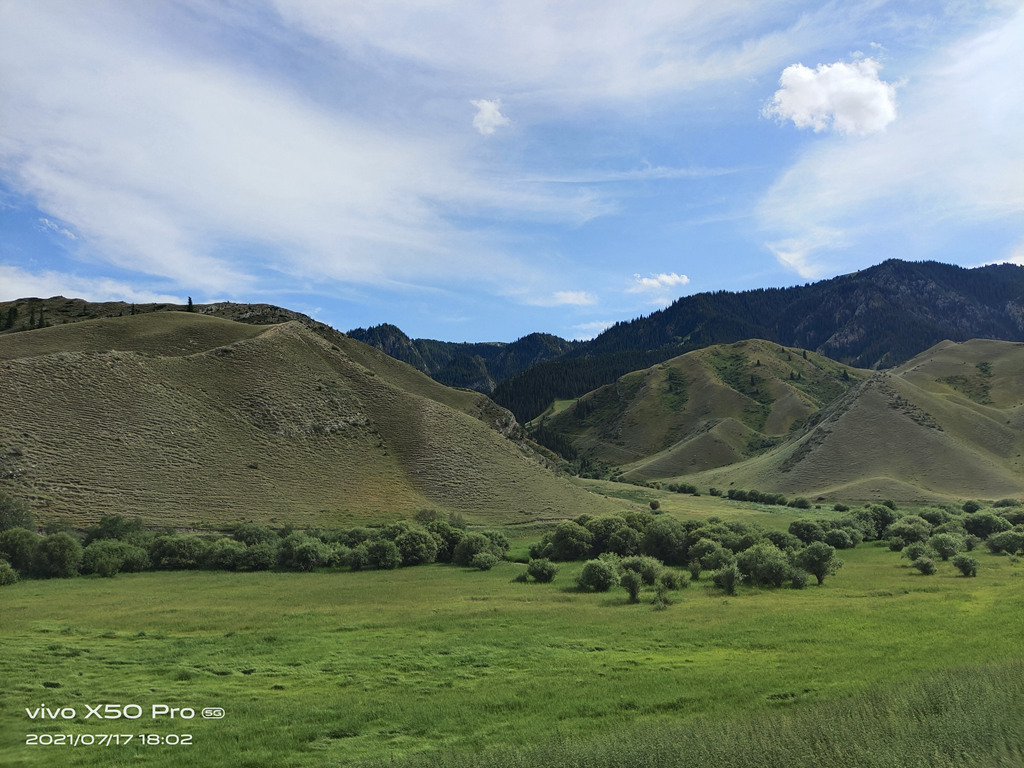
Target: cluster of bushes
[
  {"x": 734, "y": 553},
  {"x": 119, "y": 544},
  {"x": 929, "y": 535}
]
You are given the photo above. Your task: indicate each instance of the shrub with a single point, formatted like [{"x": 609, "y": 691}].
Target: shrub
[
  {"x": 484, "y": 561},
  {"x": 541, "y": 570},
  {"x": 655, "y": 505},
  {"x": 726, "y": 579},
  {"x": 763, "y": 565},
  {"x": 225, "y": 554},
  {"x": 18, "y": 548},
  {"x": 896, "y": 544},
  {"x": 1007, "y": 503},
  {"x": 910, "y": 528},
  {"x": 984, "y": 524},
  {"x": 800, "y": 503},
  {"x": 570, "y": 541},
  {"x": 416, "y": 547},
  {"x": 840, "y": 508},
  {"x": 838, "y": 538},
  {"x": 358, "y": 557},
  {"x": 7, "y": 574},
  {"x": 818, "y": 559},
  {"x": 117, "y": 527},
  {"x": 472, "y": 544},
  {"x": 967, "y": 565},
  {"x": 108, "y": 557},
  {"x": 945, "y": 545},
  {"x": 597, "y": 576},
  {"x": 251, "y": 533},
  {"x": 177, "y": 552},
  {"x": 925, "y": 565},
  {"x": 665, "y": 539},
  {"x": 647, "y": 568},
  {"x": 970, "y": 507},
  {"x": 1010, "y": 542},
  {"x": 798, "y": 578},
  {"x": 58, "y": 556},
  {"x": 260, "y": 556},
  {"x": 806, "y": 530},
  {"x": 631, "y": 581},
  {"x": 384, "y": 554},
  {"x": 447, "y": 537},
  {"x": 671, "y": 580},
  {"x": 14, "y": 513},
  {"x": 915, "y": 551},
  {"x": 625, "y": 541}
]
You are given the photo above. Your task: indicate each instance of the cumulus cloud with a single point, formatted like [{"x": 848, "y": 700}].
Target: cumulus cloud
[
  {"x": 17, "y": 283},
  {"x": 658, "y": 282},
  {"x": 953, "y": 160},
  {"x": 849, "y": 98},
  {"x": 488, "y": 117}
]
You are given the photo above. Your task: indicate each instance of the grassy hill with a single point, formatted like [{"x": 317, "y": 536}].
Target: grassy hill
[
  {"x": 947, "y": 423},
  {"x": 707, "y": 408},
  {"x": 196, "y": 421}
]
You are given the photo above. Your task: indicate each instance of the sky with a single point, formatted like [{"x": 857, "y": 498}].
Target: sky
[{"x": 477, "y": 171}]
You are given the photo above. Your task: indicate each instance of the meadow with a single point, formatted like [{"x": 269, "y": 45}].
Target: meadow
[{"x": 439, "y": 665}]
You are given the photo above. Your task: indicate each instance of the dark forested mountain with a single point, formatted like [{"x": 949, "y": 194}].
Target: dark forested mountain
[
  {"x": 475, "y": 366},
  {"x": 876, "y": 318}
]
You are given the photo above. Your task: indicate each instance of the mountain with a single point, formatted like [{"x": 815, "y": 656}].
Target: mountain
[
  {"x": 473, "y": 366},
  {"x": 708, "y": 408},
  {"x": 948, "y": 422},
  {"x": 192, "y": 420},
  {"x": 876, "y": 318}
]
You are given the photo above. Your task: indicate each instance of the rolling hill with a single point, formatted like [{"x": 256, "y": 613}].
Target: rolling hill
[
  {"x": 947, "y": 423},
  {"x": 708, "y": 408},
  {"x": 192, "y": 420}
]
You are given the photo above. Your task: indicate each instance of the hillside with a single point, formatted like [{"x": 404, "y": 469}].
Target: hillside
[
  {"x": 708, "y": 408},
  {"x": 196, "y": 421},
  {"x": 947, "y": 423},
  {"x": 876, "y": 318},
  {"x": 475, "y": 366}
]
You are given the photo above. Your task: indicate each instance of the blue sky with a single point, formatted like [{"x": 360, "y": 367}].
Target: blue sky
[{"x": 476, "y": 171}]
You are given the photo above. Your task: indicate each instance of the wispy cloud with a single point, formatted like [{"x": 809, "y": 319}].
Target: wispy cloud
[
  {"x": 54, "y": 227},
  {"x": 657, "y": 282},
  {"x": 845, "y": 97},
  {"x": 17, "y": 283}
]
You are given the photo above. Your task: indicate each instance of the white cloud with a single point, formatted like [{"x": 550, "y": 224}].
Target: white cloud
[
  {"x": 200, "y": 171},
  {"x": 954, "y": 159},
  {"x": 54, "y": 227},
  {"x": 16, "y": 283},
  {"x": 657, "y": 282},
  {"x": 488, "y": 117},
  {"x": 588, "y": 331},
  {"x": 849, "y": 98},
  {"x": 557, "y": 299}
]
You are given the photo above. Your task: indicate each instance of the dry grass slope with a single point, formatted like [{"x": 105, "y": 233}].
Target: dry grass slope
[
  {"x": 196, "y": 421},
  {"x": 947, "y": 424}
]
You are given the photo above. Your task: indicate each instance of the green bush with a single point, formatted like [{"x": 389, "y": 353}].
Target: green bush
[
  {"x": 58, "y": 556},
  {"x": 177, "y": 552},
  {"x": 967, "y": 565},
  {"x": 597, "y": 576},
  {"x": 484, "y": 561},
  {"x": 632, "y": 582},
  {"x": 7, "y": 574},
  {"x": 806, "y": 530},
  {"x": 473, "y": 544},
  {"x": 763, "y": 565},
  {"x": 225, "y": 555},
  {"x": 260, "y": 556},
  {"x": 666, "y": 539},
  {"x": 384, "y": 555},
  {"x": 14, "y": 513},
  {"x": 570, "y": 541},
  {"x": 1011, "y": 542},
  {"x": 925, "y": 565},
  {"x": 838, "y": 538},
  {"x": 819, "y": 560},
  {"x": 945, "y": 545},
  {"x": 108, "y": 557},
  {"x": 541, "y": 570},
  {"x": 251, "y": 533},
  {"x": 984, "y": 524},
  {"x": 798, "y": 578},
  {"x": 647, "y": 568},
  {"x": 416, "y": 546},
  {"x": 18, "y": 548},
  {"x": 726, "y": 579}
]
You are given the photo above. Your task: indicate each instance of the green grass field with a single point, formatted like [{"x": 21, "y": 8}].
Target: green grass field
[{"x": 437, "y": 665}]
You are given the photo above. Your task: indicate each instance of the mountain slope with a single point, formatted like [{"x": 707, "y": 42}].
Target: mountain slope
[
  {"x": 474, "y": 366},
  {"x": 876, "y": 318},
  {"x": 193, "y": 420},
  {"x": 704, "y": 409},
  {"x": 949, "y": 422}
]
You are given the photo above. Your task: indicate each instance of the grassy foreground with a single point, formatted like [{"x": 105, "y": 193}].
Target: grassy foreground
[{"x": 441, "y": 666}]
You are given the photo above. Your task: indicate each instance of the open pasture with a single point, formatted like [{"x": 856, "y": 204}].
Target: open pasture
[{"x": 463, "y": 667}]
